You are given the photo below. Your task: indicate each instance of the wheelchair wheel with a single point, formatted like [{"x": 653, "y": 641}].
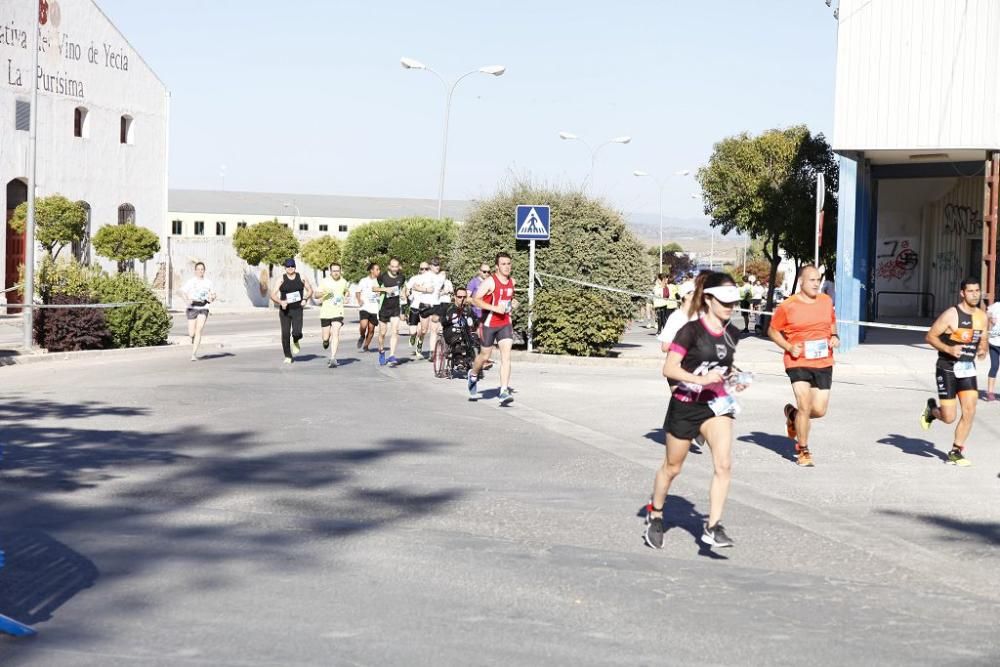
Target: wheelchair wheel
[{"x": 442, "y": 362}]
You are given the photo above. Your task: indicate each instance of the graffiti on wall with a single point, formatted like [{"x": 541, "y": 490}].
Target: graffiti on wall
[
  {"x": 949, "y": 266},
  {"x": 962, "y": 220},
  {"x": 896, "y": 260}
]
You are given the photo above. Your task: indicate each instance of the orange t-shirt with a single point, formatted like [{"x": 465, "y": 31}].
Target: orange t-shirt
[{"x": 810, "y": 324}]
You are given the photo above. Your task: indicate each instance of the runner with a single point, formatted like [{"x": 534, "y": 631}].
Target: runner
[
  {"x": 433, "y": 285},
  {"x": 994, "y": 342},
  {"x": 416, "y": 304},
  {"x": 474, "y": 283},
  {"x": 805, "y": 327},
  {"x": 699, "y": 367},
  {"x": 757, "y": 293},
  {"x": 495, "y": 297},
  {"x": 332, "y": 293},
  {"x": 389, "y": 286},
  {"x": 289, "y": 294},
  {"x": 369, "y": 302},
  {"x": 199, "y": 292},
  {"x": 958, "y": 335}
]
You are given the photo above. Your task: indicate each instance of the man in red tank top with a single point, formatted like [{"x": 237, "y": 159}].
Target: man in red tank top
[{"x": 495, "y": 296}]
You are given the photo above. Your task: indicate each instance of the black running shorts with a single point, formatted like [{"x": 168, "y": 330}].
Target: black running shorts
[
  {"x": 327, "y": 321},
  {"x": 365, "y": 315},
  {"x": 386, "y": 314},
  {"x": 684, "y": 419},
  {"x": 413, "y": 319},
  {"x": 949, "y": 386},
  {"x": 818, "y": 378},
  {"x": 493, "y": 335}
]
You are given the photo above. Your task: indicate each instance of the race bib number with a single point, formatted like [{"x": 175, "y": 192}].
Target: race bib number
[
  {"x": 393, "y": 291},
  {"x": 817, "y": 349},
  {"x": 293, "y": 297},
  {"x": 505, "y": 306},
  {"x": 337, "y": 300},
  {"x": 724, "y": 405},
  {"x": 373, "y": 298},
  {"x": 965, "y": 369}
]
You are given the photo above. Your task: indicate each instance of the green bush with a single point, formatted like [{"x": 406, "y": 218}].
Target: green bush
[
  {"x": 59, "y": 222},
  {"x": 269, "y": 243},
  {"x": 412, "y": 240},
  {"x": 146, "y": 323},
  {"x": 71, "y": 329},
  {"x": 321, "y": 252},
  {"x": 126, "y": 243},
  {"x": 589, "y": 242}
]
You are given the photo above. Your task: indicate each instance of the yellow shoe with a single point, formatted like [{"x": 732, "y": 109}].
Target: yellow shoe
[
  {"x": 927, "y": 416},
  {"x": 955, "y": 458}
]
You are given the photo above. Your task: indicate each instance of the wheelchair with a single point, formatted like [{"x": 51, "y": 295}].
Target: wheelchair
[{"x": 454, "y": 353}]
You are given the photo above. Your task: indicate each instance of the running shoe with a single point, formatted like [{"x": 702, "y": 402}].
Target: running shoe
[
  {"x": 790, "y": 421},
  {"x": 288, "y": 360},
  {"x": 413, "y": 340},
  {"x": 990, "y": 396},
  {"x": 361, "y": 341},
  {"x": 473, "y": 385},
  {"x": 716, "y": 536},
  {"x": 955, "y": 458},
  {"x": 505, "y": 397},
  {"x": 332, "y": 363},
  {"x": 927, "y": 416},
  {"x": 803, "y": 457},
  {"x": 296, "y": 348},
  {"x": 194, "y": 357},
  {"x": 654, "y": 530},
  {"x": 393, "y": 362},
  {"x": 381, "y": 357},
  {"x": 326, "y": 344}
]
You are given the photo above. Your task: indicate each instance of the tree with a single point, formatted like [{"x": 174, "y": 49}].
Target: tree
[
  {"x": 321, "y": 252},
  {"x": 676, "y": 262},
  {"x": 59, "y": 222},
  {"x": 412, "y": 240},
  {"x": 126, "y": 243},
  {"x": 268, "y": 242},
  {"x": 590, "y": 242},
  {"x": 765, "y": 186}
]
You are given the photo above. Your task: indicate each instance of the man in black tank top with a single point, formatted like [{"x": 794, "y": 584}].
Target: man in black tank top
[
  {"x": 959, "y": 336},
  {"x": 390, "y": 284},
  {"x": 290, "y": 294}
]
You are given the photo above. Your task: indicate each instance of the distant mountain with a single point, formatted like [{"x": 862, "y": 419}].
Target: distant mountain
[{"x": 692, "y": 234}]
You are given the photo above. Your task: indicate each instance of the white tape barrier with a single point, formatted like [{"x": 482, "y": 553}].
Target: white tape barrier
[
  {"x": 876, "y": 325},
  {"x": 37, "y": 306},
  {"x": 11, "y": 289}
]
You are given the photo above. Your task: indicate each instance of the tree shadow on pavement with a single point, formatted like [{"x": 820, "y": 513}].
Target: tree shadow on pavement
[
  {"x": 678, "y": 512},
  {"x": 984, "y": 531},
  {"x": 190, "y": 497},
  {"x": 779, "y": 444},
  {"x": 923, "y": 448}
]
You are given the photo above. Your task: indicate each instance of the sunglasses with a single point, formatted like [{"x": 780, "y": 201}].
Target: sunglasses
[
  {"x": 423, "y": 268},
  {"x": 484, "y": 270},
  {"x": 459, "y": 297}
]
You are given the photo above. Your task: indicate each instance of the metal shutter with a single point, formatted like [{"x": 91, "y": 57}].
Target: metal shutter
[{"x": 22, "y": 116}]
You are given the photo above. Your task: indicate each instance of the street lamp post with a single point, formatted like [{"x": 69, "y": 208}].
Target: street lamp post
[
  {"x": 569, "y": 136},
  {"x": 661, "y": 185},
  {"x": 291, "y": 204},
  {"x": 492, "y": 70}
]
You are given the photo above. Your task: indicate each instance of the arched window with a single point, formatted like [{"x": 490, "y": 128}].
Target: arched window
[
  {"x": 126, "y": 214},
  {"x": 81, "y": 124},
  {"x": 128, "y": 130},
  {"x": 81, "y": 248}
]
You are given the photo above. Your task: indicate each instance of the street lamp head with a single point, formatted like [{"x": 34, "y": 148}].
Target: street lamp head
[
  {"x": 567, "y": 135},
  {"x": 410, "y": 63},
  {"x": 683, "y": 172},
  {"x": 639, "y": 172},
  {"x": 622, "y": 140},
  {"x": 495, "y": 70}
]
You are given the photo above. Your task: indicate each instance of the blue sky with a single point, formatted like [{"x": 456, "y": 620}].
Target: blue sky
[{"x": 309, "y": 96}]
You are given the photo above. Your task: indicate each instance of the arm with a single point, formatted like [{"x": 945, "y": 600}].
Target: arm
[
  {"x": 774, "y": 332},
  {"x": 276, "y": 296},
  {"x": 309, "y": 289},
  {"x": 485, "y": 289},
  {"x": 946, "y": 321},
  {"x": 672, "y": 370}
]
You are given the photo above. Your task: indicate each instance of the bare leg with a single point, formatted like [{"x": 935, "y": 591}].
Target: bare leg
[
  {"x": 199, "y": 326},
  {"x": 673, "y": 460},
  {"x": 334, "y": 337},
  {"x": 718, "y": 433},
  {"x": 434, "y": 326},
  {"x": 393, "y": 335},
  {"x": 505, "y": 346},
  {"x": 968, "y": 400}
]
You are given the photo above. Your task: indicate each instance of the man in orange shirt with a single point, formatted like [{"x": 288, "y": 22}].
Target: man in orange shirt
[{"x": 805, "y": 327}]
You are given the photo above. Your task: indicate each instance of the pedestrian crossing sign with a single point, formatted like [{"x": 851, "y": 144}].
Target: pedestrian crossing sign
[{"x": 531, "y": 223}]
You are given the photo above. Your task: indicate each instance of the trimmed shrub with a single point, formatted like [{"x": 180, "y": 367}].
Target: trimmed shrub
[
  {"x": 144, "y": 324},
  {"x": 268, "y": 242},
  {"x": 59, "y": 222},
  {"x": 71, "y": 329},
  {"x": 589, "y": 242},
  {"x": 126, "y": 243},
  {"x": 321, "y": 252},
  {"x": 412, "y": 240}
]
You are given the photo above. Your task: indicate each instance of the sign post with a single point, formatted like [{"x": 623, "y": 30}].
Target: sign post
[
  {"x": 820, "y": 201},
  {"x": 531, "y": 223}
]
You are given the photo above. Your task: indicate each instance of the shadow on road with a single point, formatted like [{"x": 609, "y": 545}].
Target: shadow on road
[
  {"x": 160, "y": 512},
  {"x": 913, "y": 446},
  {"x": 680, "y": 513},
  {"x": 779, "y": 444},
  {"x": 984, "y": 531}
]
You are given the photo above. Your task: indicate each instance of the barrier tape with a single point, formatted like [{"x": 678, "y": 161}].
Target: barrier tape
[
  {"x": 37, "y": 306},
  {"x": 11, "y": 289},
  {"x": 874, "y": 325}
]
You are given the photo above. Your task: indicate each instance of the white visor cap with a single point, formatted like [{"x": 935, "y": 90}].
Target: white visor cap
[{"x": 724, "y": 293}]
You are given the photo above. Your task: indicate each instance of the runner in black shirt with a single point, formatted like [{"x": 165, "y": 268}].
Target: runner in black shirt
[
  {"x": 289, "y": 294},
  {"x": 390, "y": 284},
  {"x": 699, "y": 366}
]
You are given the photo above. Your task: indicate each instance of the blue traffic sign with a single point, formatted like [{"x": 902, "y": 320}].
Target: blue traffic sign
[{"x": 531, "y": 223}]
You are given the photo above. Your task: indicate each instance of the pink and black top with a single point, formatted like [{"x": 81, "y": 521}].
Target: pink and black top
[{"x": 704, "y": 349}]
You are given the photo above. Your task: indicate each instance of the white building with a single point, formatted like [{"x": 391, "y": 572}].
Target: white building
[
  {"x": 917, "y": 126},
  {"x": 102, "y": 122}
]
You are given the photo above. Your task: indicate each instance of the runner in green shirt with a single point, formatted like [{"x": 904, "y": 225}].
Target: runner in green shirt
[{"x": 331, "y": 293}]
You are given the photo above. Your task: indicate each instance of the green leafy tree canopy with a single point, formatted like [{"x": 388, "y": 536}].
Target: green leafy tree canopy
[
  {"x": 59, "y": 222},
  {"x": 125, "y": 244},
  {"x": 267, "y": 243},
  {"x": 412, "y": 240},
  {"x": 321, "y": 252}
]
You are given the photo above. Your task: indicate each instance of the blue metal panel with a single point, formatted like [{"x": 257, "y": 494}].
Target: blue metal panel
[{"x": 855, "y": 246}]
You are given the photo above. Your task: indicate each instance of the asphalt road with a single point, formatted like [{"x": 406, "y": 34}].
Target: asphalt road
[{"x": 235, "y": 511}]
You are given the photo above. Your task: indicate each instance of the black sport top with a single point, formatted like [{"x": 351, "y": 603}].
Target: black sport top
[
  {"x": 292, "y": 286},
  {"x": 704, "y": 351},
  {"x": 390, "y": 299}
]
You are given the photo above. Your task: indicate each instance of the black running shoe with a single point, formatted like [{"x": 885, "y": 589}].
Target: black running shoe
[
  {"x": 361, "y": 341},
  {"x": 927, "y": 416},
  {"x": 326, "y": 344},
  {"x": 716, "y": 536},
  {"x": 654, "y": 531}
]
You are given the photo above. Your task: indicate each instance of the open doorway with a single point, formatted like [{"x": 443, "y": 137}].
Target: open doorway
[{"x": 17, "y": 194}]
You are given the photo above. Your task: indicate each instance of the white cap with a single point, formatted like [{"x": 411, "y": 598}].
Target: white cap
[
  {"x": 725, "y": 293},
  {"x": 686, "y": 288}
]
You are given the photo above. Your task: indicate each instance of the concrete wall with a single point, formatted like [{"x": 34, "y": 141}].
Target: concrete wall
[
  {"x": 917, "y": 74},
  {"x": 84, "y": 62}
]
